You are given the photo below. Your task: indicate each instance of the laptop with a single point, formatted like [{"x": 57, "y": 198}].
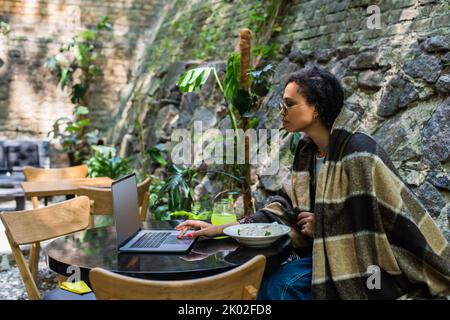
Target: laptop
[{"x": 130, "y": 236}]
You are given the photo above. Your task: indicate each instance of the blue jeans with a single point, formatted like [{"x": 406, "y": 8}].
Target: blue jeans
[{"x": 291, "y": 281}]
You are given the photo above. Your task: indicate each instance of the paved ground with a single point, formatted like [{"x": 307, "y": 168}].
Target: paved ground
[{"x": 11, "y": 283}]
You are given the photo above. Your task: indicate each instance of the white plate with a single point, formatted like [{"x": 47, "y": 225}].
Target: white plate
[{"x": 256, "y": 241}]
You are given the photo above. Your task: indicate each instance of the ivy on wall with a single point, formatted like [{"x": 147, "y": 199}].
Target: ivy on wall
[{"x": 206, "y": 31}]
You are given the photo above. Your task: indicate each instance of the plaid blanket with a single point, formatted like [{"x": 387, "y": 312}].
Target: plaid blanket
[{"x": 369, "y": 226}]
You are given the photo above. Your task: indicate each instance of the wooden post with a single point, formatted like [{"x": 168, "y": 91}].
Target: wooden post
[{"x": 245, "y": 50}]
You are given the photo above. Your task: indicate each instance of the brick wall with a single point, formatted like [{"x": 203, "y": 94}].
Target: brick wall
[
  {"x": 149, "y": 37},
  {"x": 30, "y": 100}
]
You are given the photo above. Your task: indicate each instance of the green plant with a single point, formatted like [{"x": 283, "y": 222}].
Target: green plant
[
  {"x": 76, "y": 67},
  {"x": 266, "y": 51},
  {"x": 179, "y": 188},
  {"x": 236, "y": 98},
  {"x": 195, "y": 214},
  {"x": 69, "y": 137},
  {"x": 158, "y": 154},
  {"x": 157, "y": 202},
  {"x": 262, "y": 16},
  {"x": 260, "y": 79},
  {"x": 241, "y": 102},
  {"x": 80, "y": 53},
  {"x": 105, "y": 163}
]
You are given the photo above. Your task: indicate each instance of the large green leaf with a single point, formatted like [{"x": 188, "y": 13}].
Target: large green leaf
[
  {"x": 232, "y": 80},
  {"x": 194, "y": 79},
  {"x": 157, "y": 156}
]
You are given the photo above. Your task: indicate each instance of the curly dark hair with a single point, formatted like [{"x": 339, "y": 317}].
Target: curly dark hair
[{"x": 322, "y": 89}]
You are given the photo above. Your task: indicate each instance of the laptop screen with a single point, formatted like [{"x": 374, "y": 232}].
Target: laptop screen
[{"x": 126, "y": 208}]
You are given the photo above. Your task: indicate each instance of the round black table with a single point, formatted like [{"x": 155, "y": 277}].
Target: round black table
[{"x": 97, "y": 248}]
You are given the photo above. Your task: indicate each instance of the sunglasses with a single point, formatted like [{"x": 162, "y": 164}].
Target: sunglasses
[{"x": 284, "y": 108}]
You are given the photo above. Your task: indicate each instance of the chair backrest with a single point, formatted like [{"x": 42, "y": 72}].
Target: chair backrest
[
  {"x": 41, "y": 174},
  {"x": 35, "y": 225},
  {"x": 101, "y": 198},
  {"x": 241, "y": 283},
  {"x": 143, "y": 189},
  {"x": 143, "y": 195}
]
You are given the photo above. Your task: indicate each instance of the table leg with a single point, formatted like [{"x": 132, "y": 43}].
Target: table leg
[
  {"x": 61, "y": 279},
  {"x": 35, "y": 202}
]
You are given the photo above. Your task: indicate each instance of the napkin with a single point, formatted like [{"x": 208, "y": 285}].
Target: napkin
[{"x": 79, "y": 287}]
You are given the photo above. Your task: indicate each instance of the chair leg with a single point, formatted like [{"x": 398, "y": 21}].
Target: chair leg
[
  {"x": 30, "y": 284},
  {"x": 61, "y": 279},
  {"x": 33, "y": 261}
]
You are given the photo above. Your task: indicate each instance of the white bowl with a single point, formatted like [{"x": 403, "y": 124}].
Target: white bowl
[{"x": 256, "y": 241}]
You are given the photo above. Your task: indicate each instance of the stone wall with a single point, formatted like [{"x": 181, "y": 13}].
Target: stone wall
[
  {"x": 191, "y": 30},
  {"x": 396, "y": 78},
  {"x": 30, "y": 100}
]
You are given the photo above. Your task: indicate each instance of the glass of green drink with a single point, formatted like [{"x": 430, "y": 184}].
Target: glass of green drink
[{"x": 223, "y": 213}]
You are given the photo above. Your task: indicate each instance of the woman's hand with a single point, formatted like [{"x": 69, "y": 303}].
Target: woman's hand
[
  {"x": 305, "y": 220},
  {"x": 205, "y": 229}
]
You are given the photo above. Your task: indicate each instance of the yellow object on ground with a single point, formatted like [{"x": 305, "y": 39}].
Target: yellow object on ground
[{"x": 79, "y": 287}]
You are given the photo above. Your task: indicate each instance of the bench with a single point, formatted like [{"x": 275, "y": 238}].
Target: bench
[{"x": 14, "y": 155}]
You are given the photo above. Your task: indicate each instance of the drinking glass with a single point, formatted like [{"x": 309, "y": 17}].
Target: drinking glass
[{"x": 223, "y": 213}]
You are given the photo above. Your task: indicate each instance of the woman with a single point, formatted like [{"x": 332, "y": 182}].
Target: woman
[{"x": 359, "y": 232}]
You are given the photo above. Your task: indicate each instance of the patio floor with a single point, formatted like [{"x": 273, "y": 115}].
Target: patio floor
[{"x": 12, "y": 284}]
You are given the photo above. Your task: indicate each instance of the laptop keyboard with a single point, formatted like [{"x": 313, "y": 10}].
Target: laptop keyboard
[{"x": 151, "y": 240}]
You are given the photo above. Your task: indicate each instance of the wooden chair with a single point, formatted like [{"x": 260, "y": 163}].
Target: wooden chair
[
  {"x": 45, "y": 174},
  {"x": 143, "y": 196},
  {"x": 36, "y": 225},
  {"x": 241, "y": 283},
  {"x": 101, "y": 200},
  {"x": 40, "y": 174}
]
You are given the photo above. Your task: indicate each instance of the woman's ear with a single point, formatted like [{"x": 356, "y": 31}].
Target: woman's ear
[{"x": 316, "y": 113}]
